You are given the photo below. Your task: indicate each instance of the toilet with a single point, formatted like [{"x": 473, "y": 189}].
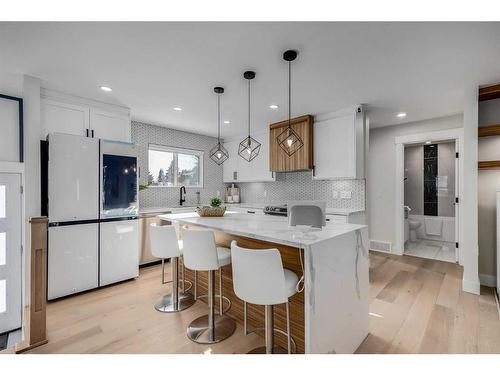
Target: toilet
[{"x": 414, "y": 225}]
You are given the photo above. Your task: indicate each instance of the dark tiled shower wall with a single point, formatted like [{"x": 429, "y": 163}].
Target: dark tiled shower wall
[{"x": 430, "y": 174}]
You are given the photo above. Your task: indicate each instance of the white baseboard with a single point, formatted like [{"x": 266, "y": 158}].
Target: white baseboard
[
  {"x": 488, "y": 280},
  {"x": 471, "y": 286}
]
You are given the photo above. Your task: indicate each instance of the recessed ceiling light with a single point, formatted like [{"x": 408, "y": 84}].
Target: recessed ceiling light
[
  {"x": 401, "y": 114},
  {"x": 106, "y": 88},
  {"x": 177, "y": 109},
  {"x": 274, "y": 106},
  {"x": 428, "y": 142},
  {"x": 227, "y": 122}
]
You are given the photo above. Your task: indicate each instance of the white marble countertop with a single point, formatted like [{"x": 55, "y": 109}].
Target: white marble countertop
[
  {"x": 258, "y": 206},
  {"x": 263, "y": 227}
]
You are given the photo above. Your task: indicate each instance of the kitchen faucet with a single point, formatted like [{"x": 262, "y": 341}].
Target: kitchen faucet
[{"x": 182, "y": 199}]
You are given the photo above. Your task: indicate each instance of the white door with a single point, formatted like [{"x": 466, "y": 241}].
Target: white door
[
  {"x": 59, "y": 117},
  {"x": 10, "y": 252},
  {"x": 110, "y": 126},
  {"x": 457, "y": 216},
  {"x": 72, "y": 259},
  {"x": 73, "y": 178},
  {"x": 119, "y": 255}
]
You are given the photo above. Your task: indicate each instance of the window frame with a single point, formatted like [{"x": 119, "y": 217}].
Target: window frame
[{"x": 175, "y": 151}]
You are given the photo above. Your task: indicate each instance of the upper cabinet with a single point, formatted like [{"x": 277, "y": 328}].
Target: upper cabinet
[
  {"x": 69, "y": 115},
  {"x": 60, "y": 117},
  {"x": 339, "y": 144},
  {"x": 237, "y": 169},
  {"x": 302, "y": 160},
  {"x": 109, "y": 125}
]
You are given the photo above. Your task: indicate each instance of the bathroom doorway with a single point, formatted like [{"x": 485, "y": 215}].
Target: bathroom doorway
[
  {"x": 430, "y": 199},
  {"x": 428, "y": 190}
]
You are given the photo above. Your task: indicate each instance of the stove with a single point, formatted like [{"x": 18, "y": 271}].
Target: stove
[{"x": 276, "y": 210}]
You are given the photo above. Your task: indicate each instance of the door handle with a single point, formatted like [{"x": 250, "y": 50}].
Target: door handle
[
  {"x": 87, "y": 132},
  {"x": 92, "y": 133}
]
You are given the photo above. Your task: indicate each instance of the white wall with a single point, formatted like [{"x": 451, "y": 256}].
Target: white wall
[{"x": 382, "y": 170}]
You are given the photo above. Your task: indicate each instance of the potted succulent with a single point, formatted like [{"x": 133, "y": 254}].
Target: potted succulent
[{"x": 215, "y": 209}]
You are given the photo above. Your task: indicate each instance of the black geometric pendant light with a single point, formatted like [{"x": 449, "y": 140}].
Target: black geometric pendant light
[
  {"x": 289, "y": 140},
  {"x": 249, "y": 147},
  {"x": 218, "y": 153}
]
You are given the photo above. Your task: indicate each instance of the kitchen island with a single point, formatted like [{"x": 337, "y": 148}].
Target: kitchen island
[{"x": 330, "y": 315}]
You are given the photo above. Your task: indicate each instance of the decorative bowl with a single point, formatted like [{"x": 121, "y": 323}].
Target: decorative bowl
[{"x": 206, "y": 211}]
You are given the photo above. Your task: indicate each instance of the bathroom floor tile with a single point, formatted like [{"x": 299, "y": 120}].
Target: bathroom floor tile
[{"x": 438, "y": 250}]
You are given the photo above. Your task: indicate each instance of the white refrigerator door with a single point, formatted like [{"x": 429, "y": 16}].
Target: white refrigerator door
[
  {"x": 73, "y": 178},
  {"x": 119, "y": 251},
  {"x": 72, "y": 259}
]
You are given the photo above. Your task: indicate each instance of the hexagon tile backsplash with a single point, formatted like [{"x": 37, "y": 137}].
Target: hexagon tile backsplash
[{"x": 301, "y": 186}]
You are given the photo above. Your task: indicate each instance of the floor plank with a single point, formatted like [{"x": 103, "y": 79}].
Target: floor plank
[{"x": 417, "y": 306}]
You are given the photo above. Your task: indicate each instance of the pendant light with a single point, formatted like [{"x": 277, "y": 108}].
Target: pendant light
[
  {"x": 249, "y": 147},
  {"x": 289, "y": 140},
  {"x": 218, "y": 153}
]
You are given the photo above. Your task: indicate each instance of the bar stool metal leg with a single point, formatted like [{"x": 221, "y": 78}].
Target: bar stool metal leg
[
  {"x": 288, "y": 333},
  {"x": 176, "y": 301},
  {"x": 221, "y": 304},
  {"x": 211, "y": 328}
]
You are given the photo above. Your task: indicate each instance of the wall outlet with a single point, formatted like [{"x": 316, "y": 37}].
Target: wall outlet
[
  {"x": 346, "y": 194},
  {"x": 335, "y": 194}
]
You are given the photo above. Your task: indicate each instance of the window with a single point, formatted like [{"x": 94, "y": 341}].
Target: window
[{"x": 173, "y": 167}]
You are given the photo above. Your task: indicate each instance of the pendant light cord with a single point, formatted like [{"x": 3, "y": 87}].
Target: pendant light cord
[
  {"x": 218, "y": 118},
  {"x": 289, "y": 93},
  {"x": 248, "y": 108}
]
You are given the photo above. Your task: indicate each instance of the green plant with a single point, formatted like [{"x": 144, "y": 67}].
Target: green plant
[{"x": 215, "y": 202}]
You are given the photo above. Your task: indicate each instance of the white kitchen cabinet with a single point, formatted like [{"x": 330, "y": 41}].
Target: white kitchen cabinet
[
  {"x": 70, "y": 115},
  {"x": 339, "y": 144},
  {"x": 255, "y": 171},
  {"x": 61, "y": 117},
  {"x": 119, "y": 252},
  {"x": 72, "y": 259},
  {"x": 109, "y": 125}
]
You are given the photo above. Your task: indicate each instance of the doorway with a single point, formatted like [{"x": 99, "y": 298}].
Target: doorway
[
  {"x": 430, "y": 180},
  {"x": 428, "y": 190},
  {"x": 10, "y": 254}
]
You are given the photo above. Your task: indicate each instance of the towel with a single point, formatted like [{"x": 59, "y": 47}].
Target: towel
[{"x": 433, "y": 226}]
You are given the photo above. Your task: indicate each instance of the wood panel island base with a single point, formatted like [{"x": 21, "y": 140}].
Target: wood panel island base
[{"x": 330, "y": 315}]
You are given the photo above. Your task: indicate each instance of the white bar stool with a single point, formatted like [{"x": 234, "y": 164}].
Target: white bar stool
[
  {"x": 259, "y": 278},
  {"x": 164, "y": 245},
  {"x": 202, "y": 254}
]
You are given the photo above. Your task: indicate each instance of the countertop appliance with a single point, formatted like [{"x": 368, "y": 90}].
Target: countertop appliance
[
  {"x": 276, "y": 210},
  {"x": 92, "y": 208}
]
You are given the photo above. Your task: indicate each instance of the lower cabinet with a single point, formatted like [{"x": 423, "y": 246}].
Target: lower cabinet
[
  {"x": 72, "y": 259},
  {"x": 119, "y": 255}
]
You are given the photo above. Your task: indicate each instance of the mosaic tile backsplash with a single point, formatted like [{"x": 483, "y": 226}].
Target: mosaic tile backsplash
[
  {"x": 158, "y": 197},
  {"x": 288, "y": 186},
  {"x": 301, "y": 186}
]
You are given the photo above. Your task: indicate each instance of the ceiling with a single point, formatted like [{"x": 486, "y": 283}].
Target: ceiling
[{"x": 417, "y": 68}]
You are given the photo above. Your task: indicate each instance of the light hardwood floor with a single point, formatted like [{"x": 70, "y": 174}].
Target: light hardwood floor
[{"x": 417, "y": 306}]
